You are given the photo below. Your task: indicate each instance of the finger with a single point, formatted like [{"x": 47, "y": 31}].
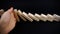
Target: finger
[
  {"x": 5, "y": 18},
  {"x": 10, "y": 10}
]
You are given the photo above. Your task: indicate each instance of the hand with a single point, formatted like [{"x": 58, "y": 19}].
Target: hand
[{"x": 7, "y": 21}]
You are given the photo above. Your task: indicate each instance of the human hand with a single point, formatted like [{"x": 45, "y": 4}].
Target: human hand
[{"x": 7, "y": 21}]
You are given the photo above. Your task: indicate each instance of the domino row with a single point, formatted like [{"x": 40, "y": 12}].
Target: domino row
[{"x": 37, "y": 17}]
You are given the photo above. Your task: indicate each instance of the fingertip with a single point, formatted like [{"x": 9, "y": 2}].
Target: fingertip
[{"x": 10, "y": 10}]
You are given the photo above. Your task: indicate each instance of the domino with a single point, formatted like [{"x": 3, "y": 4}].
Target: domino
[{"x": 30, "y": 17}]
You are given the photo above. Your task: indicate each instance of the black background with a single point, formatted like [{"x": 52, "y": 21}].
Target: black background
[{"x": 34, "y": 6}]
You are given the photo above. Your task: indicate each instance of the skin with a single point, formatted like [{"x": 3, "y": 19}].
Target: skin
[{"x": 7, "y": 21}]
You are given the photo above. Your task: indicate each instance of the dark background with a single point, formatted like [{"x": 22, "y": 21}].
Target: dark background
[{"x": 34, "y": 6}]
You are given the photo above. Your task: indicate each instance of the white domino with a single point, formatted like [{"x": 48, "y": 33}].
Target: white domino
[
  {"x": 43, "y": 17},
  {"x": 37, "y": 17},
  {"x": 21, "y": 15},
  {"x": 33, "y": 17},
  {"x": 50, "y": 17},
  {"x": 27, "y": 17}
]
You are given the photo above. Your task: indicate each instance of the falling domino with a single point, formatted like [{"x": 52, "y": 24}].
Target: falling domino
[
  {"x": 1, "y": 11},
  {"x": 37, "y": 17},
  {"x": 16, "y": 16},
  {"x": 27, "y": 17},
  {"x": 21, "y": 16},
  {"x": 43, "y": 17},
  {"x": 33, "y": 17}
]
